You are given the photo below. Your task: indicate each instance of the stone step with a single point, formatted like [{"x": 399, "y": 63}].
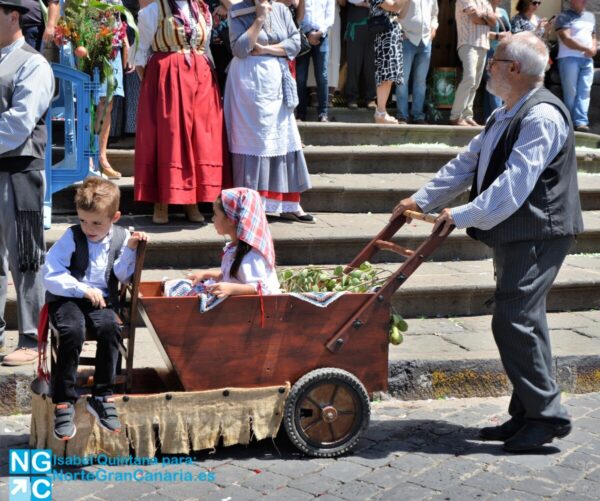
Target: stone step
[
  {"x": 439, "y": 358},
  {"x": 335, "y": 238},
  {"x": 350, "y": 131},
  {"x": 451, "y": 288},
  {"x": 337, "y": 193},
  {"x": 352, "y": 134},
  {"x": 369, "y": 159}
]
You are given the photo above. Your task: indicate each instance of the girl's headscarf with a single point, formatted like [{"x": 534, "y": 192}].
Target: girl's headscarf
[{"x": 244, "y": 207}]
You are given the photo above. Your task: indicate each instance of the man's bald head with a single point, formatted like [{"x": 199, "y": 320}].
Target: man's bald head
[{"x": 528, "y": 51}]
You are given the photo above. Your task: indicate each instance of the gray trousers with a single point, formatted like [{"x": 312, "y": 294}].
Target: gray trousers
[
  {"x": 525, "y": 272},
  {"x": 29, "y": 286}
]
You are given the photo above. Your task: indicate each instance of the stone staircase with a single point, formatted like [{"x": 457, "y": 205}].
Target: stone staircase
[{"x": 359, "y": 171}]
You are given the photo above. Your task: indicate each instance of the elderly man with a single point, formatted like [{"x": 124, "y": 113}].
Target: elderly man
[
  {"x": 26, "y": 88},
  {"x": 576, "y": 30},
  {"x": 524, "y": 204},
  {"x": 474, "y": 18}
]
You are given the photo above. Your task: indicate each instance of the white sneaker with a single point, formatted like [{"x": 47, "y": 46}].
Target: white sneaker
[{"x": 381, "y": 117}]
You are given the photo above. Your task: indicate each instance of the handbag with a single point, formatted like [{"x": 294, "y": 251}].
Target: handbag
[
  {"x": 305, "y": 45},
  {"x": 379, "y": 24}
]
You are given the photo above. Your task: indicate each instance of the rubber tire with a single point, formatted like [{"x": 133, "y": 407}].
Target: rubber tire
[{"x": 327, "y": 374}]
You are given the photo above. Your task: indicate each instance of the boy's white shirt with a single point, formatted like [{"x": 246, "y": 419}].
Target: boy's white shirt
[{"x": 58, "y": 279}]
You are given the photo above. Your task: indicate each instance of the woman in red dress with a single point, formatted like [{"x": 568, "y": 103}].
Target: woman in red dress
[{"x": 181, "y": 152}]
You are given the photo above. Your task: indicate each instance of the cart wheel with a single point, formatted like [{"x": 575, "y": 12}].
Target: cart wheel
[{"x": 326, "y": 412}]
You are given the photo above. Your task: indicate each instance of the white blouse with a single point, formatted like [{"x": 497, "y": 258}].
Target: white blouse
[{"x": 253, "y": 270}]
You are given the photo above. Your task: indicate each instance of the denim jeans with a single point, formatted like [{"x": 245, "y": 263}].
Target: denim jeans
[
  {"x": 417, "y": 57},
  {"x": 576, "y": 78},
  {"x": 490, "y": 102},
  {"x": 72, "y": 317},
  {"x": 320, "y": 56}
]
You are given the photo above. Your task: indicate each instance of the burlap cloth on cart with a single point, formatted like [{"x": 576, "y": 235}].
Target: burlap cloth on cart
[{"x": 180, "y": 422}]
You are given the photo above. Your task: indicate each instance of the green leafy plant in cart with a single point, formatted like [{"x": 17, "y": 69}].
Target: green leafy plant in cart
[{"x": 365, "y": 278}]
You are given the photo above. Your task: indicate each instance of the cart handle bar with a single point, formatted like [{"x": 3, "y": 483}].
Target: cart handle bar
[{"x": 428, "y": 218}]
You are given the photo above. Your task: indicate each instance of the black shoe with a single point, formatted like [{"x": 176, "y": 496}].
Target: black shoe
[
  {"x": 503, "y": 432},
  {"x": 64, "y": 415},
  {"x": 535, "y": 434},
  {"x": 420, "y": 122},
  {"x": 582, "y": 128},
  {"x": 105, "y": 412}
]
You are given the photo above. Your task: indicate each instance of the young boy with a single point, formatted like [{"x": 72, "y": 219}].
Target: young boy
[{"x": 81, "y": 274}]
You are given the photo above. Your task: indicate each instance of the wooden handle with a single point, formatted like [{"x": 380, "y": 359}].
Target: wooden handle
[
  {"x": 429, "y": 218},
  {"x": 398, "y": 249}
]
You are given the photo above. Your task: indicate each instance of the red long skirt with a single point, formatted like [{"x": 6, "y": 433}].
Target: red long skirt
[{"x": 181, "y": 154}]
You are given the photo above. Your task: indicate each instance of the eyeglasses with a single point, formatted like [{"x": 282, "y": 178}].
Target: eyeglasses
[
  {"x": 536, "y": 3},
  {"x": 493, "y": 60}
]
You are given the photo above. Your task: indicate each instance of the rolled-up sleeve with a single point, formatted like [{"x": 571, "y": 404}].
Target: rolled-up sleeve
[
  {"x": 291, "y": 45},
  {"x": 147, "y": 26}
]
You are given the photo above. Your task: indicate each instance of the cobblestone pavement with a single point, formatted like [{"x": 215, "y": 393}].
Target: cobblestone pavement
[{"x": 411, "y": 451}]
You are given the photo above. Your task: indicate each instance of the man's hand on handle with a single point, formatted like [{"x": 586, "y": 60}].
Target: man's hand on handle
[
  {"x": 403, "y": 205},
  {"x": 445, "y": 221}
]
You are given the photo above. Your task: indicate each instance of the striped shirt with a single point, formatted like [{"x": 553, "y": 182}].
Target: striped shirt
[
  {"x": 468, "y": 32},
  {"x": 543, "y": 134}
]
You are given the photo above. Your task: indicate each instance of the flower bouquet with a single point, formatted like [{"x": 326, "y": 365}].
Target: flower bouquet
[{"x": 96, "y": 32}]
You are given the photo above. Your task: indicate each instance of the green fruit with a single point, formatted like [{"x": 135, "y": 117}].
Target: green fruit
[
  {"x": 402, "y": 325},
  {"x": 355, "y": 274},
  {"x": 338, "y": 271},
  {"x": 365, "y": 266},
  {"x": 395, "y": 336}
]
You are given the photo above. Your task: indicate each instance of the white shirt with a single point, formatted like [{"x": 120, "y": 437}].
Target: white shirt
[
  {"x": 33, "y": 91},
  {"x": 58, "y": 279},
  {"x": 253, "y": 270},
  {"x": 318, "y": 15},
  {"x": 420, "y": 19}
]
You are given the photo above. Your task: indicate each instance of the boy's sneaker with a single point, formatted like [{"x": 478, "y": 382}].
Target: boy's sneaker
[
  {"x": 64, "y": 427},
  {"x": 105, "y": 412}
]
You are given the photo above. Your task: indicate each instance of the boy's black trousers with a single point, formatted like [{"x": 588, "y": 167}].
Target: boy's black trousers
[{"x": 72, "y": 317}]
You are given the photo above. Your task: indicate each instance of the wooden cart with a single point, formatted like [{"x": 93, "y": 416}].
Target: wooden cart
[{"x": 333, "y": 357}]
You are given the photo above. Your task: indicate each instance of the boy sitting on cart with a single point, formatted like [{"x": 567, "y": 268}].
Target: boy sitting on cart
[{"x": 82, "y": 272}]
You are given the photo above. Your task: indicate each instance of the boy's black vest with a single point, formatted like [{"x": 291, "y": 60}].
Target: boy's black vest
[
  {"x": 80, "y": 260},
  {"x": 553, "y": 208}
]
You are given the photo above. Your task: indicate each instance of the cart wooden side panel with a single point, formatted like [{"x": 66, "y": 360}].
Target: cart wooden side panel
[{"x": 227, "y": 347}]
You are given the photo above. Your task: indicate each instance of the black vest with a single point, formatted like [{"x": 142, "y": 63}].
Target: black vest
[
  {"x": 80, "y": 260},
  {"x": 553, "y": 208}
]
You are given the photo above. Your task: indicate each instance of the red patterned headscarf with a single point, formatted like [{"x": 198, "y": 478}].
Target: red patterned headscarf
[{"x": 245, "y": 208}]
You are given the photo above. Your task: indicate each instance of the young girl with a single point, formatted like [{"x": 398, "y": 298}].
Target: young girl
[{"x": 248, "y": 262}]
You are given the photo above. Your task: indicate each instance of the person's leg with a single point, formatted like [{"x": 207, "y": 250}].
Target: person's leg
[
  {"x": 525, "y": 272},
  {"x": 584, "y": 88},
  {"x": 68, "y": 318},
  {"x": 107, "y": 329},
  {"x": 103, "y": 119},
  {"x": 409, "y": 51},
  {"x": 369, "y": 66},
  {"x": 468, "y": 56},
  {"x": 5, "y": 226},
  {"x": 420, "y": 71},
  {"x": 28, "y": 284},
  {"x": 302, "y": 64},
  {"x": 321, "y": 60},
  {"x": 354, "y": 56},
  {"x": 480, "y": 60},
  {"x": 569, "y": 73}
]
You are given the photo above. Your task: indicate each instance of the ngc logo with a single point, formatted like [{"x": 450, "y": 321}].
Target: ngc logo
[{"x": 29, "y": 474}]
